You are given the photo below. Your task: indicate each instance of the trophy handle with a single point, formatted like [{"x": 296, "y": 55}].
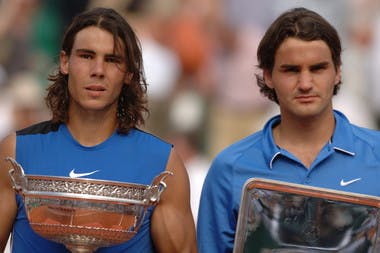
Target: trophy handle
[
  {"x": 17, "y": 175},
  {"x": 154, "y": 190}
]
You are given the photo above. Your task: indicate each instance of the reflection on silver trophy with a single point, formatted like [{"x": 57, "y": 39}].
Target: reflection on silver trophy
[
  {"x": 85, "y": 214},
  {"x": 276, "y": 216}
]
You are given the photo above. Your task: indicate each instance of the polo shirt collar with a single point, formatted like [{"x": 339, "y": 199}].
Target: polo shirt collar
[
  {"x": 341, "y": 141},
  {"x": 343, "y": 137}
]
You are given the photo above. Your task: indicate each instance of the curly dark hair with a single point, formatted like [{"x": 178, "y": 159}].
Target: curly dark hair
[
  {"x": 298, "y": 23},
  {"x": 132, "y": 102}
]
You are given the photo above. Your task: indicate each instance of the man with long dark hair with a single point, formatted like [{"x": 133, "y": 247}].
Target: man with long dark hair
[{"x": 97, "y": 100}]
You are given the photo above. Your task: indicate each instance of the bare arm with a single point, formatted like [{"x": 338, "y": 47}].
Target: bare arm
[
  {"x": 173, "y": 228},
  {"x": 8, "y": 206}
]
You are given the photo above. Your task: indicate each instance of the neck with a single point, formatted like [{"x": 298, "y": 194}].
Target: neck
[
  {"x": 304, "y": 138},
  {"x": 91, "y": 129},
  {"x": 306, "y": 129}
]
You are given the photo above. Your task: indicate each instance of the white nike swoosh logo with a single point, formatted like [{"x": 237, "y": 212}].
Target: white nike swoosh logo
[
  {"x": 345, "y": 183},
  {"x": 76, "y": 175}
]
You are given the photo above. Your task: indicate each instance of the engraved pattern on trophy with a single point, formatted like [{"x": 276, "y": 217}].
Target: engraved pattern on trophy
[
  {"x": 277, "y": 216},
  {"x": 85, "y": 214}
]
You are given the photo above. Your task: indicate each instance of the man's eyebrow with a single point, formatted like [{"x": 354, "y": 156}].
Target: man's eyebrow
[
  {"x": 289, "y": 66},
  {"x": 113, "y": 55},
  {"x": 320, "y": 64},
  {"x": 83, "y": 50},
  {"x": 317, "y": 65}
]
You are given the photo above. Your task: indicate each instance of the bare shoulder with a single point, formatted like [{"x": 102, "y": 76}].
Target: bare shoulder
[
  {"x": 7, "y": 194},
  {"x": 7, "y": 149},
  {"x": 9, "y": 139},
  {"x": 173, "y": 228},
  {"x": 175, "y": 163},
  {"x": 178, "y": 183}
]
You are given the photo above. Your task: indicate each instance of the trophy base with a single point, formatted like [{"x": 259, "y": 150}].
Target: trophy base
[
  {"x": 80, "y": 249},
  {"x": 80, "y": 239}
]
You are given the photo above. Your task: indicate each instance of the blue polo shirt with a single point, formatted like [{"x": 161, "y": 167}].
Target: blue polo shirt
[{"x": 350, "y": 161}]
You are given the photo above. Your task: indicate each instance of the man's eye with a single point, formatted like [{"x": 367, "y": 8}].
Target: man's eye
[
  {"x": 85, "y": 56},
  {"x": 113, "y": 60},
  {"x": 291, "y": 70},
  {"x": 318, "y": 68}
]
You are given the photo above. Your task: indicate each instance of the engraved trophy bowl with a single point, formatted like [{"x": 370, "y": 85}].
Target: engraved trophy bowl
[
  {"x": 85, "y": 214},
  {"x": 276, "y": 216}
]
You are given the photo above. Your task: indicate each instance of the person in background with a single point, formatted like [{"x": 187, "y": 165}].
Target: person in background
[
  {"x": 308, "y": 143},
  {"x": 186, "y": 121},
  {"x": 98, "y": 99},
  {"x": 26, "y": 93}
]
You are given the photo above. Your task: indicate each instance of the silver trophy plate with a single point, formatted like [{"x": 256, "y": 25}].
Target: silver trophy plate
[
  {"x": 85, "y": 214},
  {"x": 281, "y": 217}
]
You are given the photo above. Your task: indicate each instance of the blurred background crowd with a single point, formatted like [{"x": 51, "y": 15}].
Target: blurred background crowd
[{"x": 200, "y": 63}]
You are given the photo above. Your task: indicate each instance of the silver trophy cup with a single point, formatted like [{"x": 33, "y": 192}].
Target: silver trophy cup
[
  {"x": 276, "y": 217},
  {"x": 85, "y": 214}
]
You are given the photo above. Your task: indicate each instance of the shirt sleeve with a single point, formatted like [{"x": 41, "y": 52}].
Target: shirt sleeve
[{"x": 216, "y": 218}]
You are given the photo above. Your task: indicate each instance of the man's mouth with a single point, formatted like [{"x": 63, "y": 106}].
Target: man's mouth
[
  {"x": 306, "y": 98},
  {"x": 95, "y": 88}
]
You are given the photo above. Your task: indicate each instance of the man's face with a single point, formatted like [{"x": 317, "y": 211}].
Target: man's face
[
  {"x": 303, "y": 77},
  {"x": 96, "y": 72}
]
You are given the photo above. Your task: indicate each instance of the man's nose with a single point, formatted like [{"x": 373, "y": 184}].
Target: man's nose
[
  {"x": 98, "y": 67},
  {"x": 305, "y": 80}
]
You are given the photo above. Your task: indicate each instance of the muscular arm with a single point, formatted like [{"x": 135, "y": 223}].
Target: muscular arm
[
  {"x": 8, "y": 206},
  {"x": 173, "y": 228}
]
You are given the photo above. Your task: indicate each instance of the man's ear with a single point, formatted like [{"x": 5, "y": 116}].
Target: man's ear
[
  {"x": 267, "y": 78},
  {"x": 128, "y": 77},
  {"x": 64, "y": 63},
  {"x": 338, "y": 76}
]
